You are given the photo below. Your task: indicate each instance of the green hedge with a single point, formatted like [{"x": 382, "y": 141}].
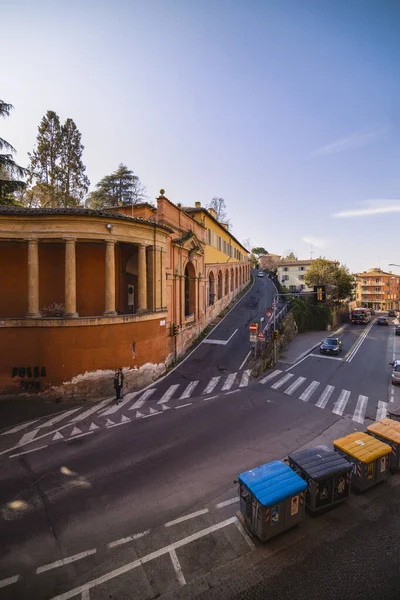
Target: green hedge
[{"x": 309, "y": 316}]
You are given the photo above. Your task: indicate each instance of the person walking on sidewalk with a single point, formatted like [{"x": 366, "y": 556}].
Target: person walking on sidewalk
[{"x": 118, "y": 383}]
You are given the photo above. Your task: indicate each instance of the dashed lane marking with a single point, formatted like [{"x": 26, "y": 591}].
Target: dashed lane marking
[
  {"x": 8, "y": 581},
  {"x": 192, "y": 515},
  {"x": 129, "y": 538},
  {"x": 27, "y": 451},
  {"x": 183, "y": 405},
  {"x": 227, "y": 502},
  {"x": 65, "y": 561}
]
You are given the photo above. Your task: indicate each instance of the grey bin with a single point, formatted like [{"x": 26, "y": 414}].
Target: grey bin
[
  {"x": 327, "y": 475},
  {"x": 394, "y": 413},
  {"x": 272, "y": 499}
]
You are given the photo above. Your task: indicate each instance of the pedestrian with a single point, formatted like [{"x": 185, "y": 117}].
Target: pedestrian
[{"x": 118, "y": 383}]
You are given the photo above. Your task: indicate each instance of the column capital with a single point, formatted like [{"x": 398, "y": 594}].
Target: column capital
[
  {"x": 33, "y": 240},
  {"x": 69, "y": 239},
  {"x": 110, "y": 242}
]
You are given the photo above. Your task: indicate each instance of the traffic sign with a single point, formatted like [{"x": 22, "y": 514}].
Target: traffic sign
[
  {"x": 253, "y": 338},
  {"x": 261, "y": 335},
  {"x": 274, "y": 304},
  {"x": 268, "y": 312},
  {"x": 253, "y": 327}
]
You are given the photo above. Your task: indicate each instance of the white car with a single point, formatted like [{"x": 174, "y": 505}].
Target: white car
[
  {"x": 260, "y": 274},
  {"x": 396, "y": 371}
]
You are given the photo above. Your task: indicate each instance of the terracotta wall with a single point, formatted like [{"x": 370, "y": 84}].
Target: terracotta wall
[
  {"x": 51, "y": 274},
  {"x": 68, "y": 351},
  {"x": 14, "y": 279},
  {"x": 90, "y": 278}
]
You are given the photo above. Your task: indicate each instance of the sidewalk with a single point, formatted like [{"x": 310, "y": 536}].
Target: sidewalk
[{"x": 304, "y": 343}]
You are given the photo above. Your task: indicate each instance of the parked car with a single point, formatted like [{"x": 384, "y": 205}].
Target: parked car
[
  {"x": 382, "y": 321},
  {"x": 331, "y": 346},
  {"x": 260, "y": 274},
  {"x": 395, "y": 371},
  {"x": 397, "y": 330},
  {"x": 392, "y": 313}
]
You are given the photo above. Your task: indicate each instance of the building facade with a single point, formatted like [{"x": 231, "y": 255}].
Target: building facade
[
  {"x": 87, "y": 290},
  {"x": 291, "y": 274},
  {"x": 378, "y": 289},
  {"x": 269, "y": 262}
]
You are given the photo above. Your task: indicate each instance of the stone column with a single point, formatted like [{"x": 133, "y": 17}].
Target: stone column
[
  {"x": 110, "y": 279},
  {"x": 142, "y": 279},
  {"x": 33, "y": 278},
  {"x": 70, "y": 278}
]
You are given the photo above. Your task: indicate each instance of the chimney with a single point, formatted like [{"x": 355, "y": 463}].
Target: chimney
[
  {"x": 197, "y": 204},
  {"x": 212, "y": 212},
  {"x": 225, "y": 225}
]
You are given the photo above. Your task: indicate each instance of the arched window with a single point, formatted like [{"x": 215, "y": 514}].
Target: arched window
[
  {"x": 190, "y": 290},
  {"x": 226, "y": 282},
  {"x": 211, "y": 289},
  {"x": 219, "y": 285}
]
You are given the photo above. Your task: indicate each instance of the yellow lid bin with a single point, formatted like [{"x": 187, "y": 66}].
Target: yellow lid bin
[
  {"x": 388, "y": 431},
  {"x": 369, "y": 457}
]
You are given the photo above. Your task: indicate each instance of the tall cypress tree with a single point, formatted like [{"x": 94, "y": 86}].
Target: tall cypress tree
[{"x": 74, "y": 182}]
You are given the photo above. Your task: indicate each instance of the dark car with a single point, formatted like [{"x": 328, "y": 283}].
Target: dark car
[
  {"x": 331, "y": 346},
  {"x": 397, "y": 330},
  {"x": 382, "y": 321},
  {"x": 392, "y": 313}
]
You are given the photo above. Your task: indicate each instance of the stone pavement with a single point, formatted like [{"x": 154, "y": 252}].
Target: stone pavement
[{"x": 303, "y": 343}]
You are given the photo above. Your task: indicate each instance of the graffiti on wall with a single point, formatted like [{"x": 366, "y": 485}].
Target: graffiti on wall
[{"x": 28, "y": 377}]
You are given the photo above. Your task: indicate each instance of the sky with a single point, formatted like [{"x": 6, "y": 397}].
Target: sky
[{"x": 287, "y": 109}]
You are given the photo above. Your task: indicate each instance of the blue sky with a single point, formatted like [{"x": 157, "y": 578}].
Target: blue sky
[{"x": 287, "y": 109}]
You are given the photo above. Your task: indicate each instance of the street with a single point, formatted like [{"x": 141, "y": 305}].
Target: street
[{"x": 137, "y": 507}]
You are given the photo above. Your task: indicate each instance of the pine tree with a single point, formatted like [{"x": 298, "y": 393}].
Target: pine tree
[
  {"x": 122, "y": 187},
  {"x": 8, "y": 167},
  {"x": 74, "y": 182}
]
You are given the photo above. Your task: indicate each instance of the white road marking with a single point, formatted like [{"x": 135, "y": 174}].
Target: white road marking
[
  {"x": 130, "y": 538},
  {"x": 381, "y": 411},
  {"x": 177, "y": 566},
  {"x": 109, "y": 422},
  {"x": 299, "y": 361},
  {"x": 78, "y": 436},
  {"x": 65, "y": 561},
  {"x": 152, "y": 413},
  {"x": 212, "y": 384},
  {"x": 282, "y": 381},
  {"x": 245, "y": 360},
  {"x": 184, "y": 405},
  {"x": 271, "y": 376},
  {"x": 296, "y": 384},
  {"x": 324, "y": 397},
  {"x": 189, "y": 390},
  {"x": 219, "y": 342},
  {"x": 57, "y": 436},
  {"x": 169, "y": 393},
  {"x": 20, "y": 427},
  {"x": 75, "y": 431},
  {"x": 246, "y": 536},
  {"x": 143, "y": 398},
  {"x": 113, "y": 409},
  {"x": 91, "y": 410},
  {"x": 227, "y": 502},
  {"x": 165, "y": 407},
  {"x": 341, "y": 402},
  {"x": 117, "y": 424},
  {"x": 28, "y": 437},
  {"x": 125, "y": 419},
  {"x": 93, "y": 426},
  {"x": 232, "y": 392},
  {"x": 139, "y": 415},
  {"x": 27, "y": 451},
  {"x": 209, "y": 398},
  {"x": 308, "y": 392},
  {"x": 59, "y": 417},
  {"x": 361, "y": 407},
  {"x": 358, "y": 344},
  {"x": 244, "y": 382},
  {"x": 192, "y": 515},
  {"x": 229, "y": 381},
  {"x": 8, "y": 581},
  {"x": 141, "y": 561},
  {"x": 324, "y": 356},
  {"x": 85, "y": 595}
]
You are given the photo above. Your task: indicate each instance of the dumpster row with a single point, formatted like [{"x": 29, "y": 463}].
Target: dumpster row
[{"x": 274, "y": 497}]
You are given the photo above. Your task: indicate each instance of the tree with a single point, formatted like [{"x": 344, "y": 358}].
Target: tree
[
  {"x": 335, "y": 277},
  {"x": 8, "y": 167},
  {"x": 122, "y": 187},
  {"x": 290, "y": 256},
  {"x": 259, "y": 250},
  {"x": 56, "y": 164},
  {"x": 219, "y": 205}
]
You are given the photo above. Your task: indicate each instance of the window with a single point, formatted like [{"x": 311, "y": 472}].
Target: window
[
  {"x": 302, "y": 287},
  {"x": 215, "y": 240},
  {"x": 377, "y": 280},
  {"x": 301, "y": 268},
  {"x": 209, "y": 237},
  {"x": 377, "y": 289},
  {"x": 286, "y": 268},
  {"x": 224, "y": 247},
  {"x": 301, "y": 277},
  {"x": 219, "y": 243},
  {"x": 285, "y": 278},
  {"x": 365, "y": 282}
]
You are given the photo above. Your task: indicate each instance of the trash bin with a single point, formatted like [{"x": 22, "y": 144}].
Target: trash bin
[
  {"x": 388, "y": 431},
  {"x": 369, "y": 457},
  {"x": 327, "y": 475},
  {"x": 272, "y": 499},
  {"x": 394, "y": 413}
]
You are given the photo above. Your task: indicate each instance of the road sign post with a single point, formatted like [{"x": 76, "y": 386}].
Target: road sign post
[{"x": 253, "y": 330}]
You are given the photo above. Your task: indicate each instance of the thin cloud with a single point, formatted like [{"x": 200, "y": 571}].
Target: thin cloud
[
  {"x": 316, "y": 242},
  {"x": 374, "y": 207},
  {"x": 357, "y": 139}
]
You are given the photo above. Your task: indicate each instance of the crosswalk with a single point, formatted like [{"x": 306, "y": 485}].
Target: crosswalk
[{"x": 315, "y": 392}]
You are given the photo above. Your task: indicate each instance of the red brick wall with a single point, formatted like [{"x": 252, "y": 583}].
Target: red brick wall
[
  {"x": 14, "y": 279},
  {"x": 90, "y": 278}
]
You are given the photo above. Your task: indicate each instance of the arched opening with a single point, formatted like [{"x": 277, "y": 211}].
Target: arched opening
[
  {"x": 219, "y": 285},
  {"x": 240, "y": 276},
  {"x": 236, "y": 277},
  {"x": 211, "y": 289},
  {"x": 232, "y": 280},
  {"x": 130, "y": 292},
  {"x": 190, "y": 290},
  {"x": 226, "y": 282}
]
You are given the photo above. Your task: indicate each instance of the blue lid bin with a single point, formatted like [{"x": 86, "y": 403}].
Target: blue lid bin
[
  {"x": 327, "y": 474},
  {"x": 272, "y": 499}
]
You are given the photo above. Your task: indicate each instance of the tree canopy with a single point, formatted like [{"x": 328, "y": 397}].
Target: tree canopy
[
  {"x": 291, "y": 256},
  {"x": 335, "y": 277},
  {"x": 122, "y": 187},
  {"x": 219, "y": 205},
  {"x": 8, "y": 167},
  {"x": 259, "y": 250}
]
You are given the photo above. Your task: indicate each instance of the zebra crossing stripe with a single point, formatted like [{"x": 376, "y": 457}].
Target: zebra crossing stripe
[
  {"x": 189, "y": 390},
  {"x": 245, "y": 378},
  {"x": 381, "y": 411},
  {"x": 229, "y": 382},
  {"x": 168, "y": 394},
  {"x": 91, "y": 410},
  {"x": 296, "y": 384},
  {"x": 271, "y": 376},
  {"x": 282, "y": 381},
  {"x": 19, "y": 427},
  {"x": 361, "y": 407},
  {"x": 113, "y": 409},
  {"x": 143, "y": 398},
  {"x": 324, "y": 397},
  {"x": 340, "y": 405},
  {"x": 211, "y": 385},
  {"x": 308, "y": 392},
  {"x": 59, "y": 417}
]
